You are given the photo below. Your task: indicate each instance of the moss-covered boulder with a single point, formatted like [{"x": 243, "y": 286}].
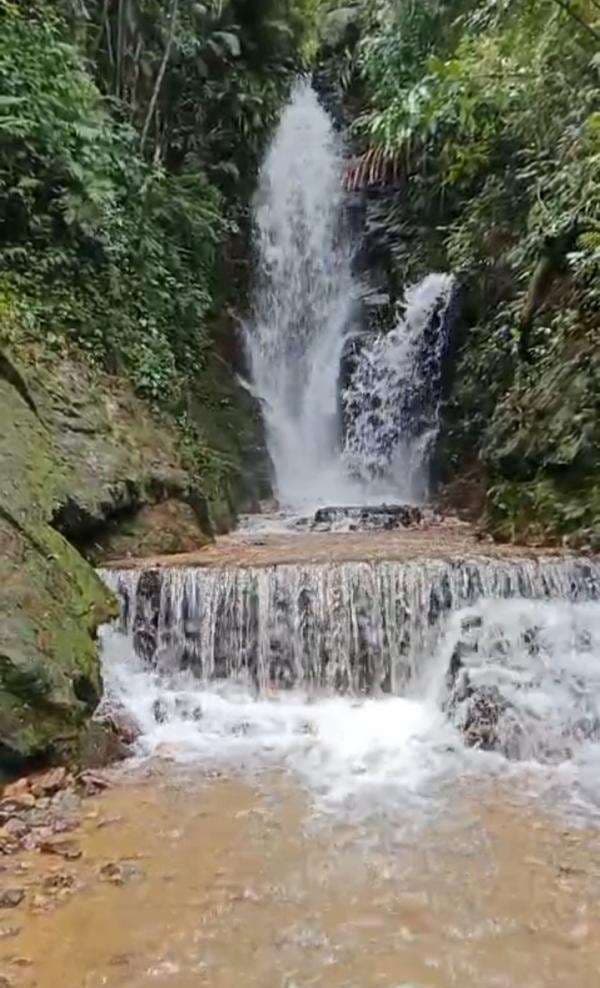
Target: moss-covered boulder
[
  {"x": 80, "y": 457},
  {"x": 51, "y": 600}
]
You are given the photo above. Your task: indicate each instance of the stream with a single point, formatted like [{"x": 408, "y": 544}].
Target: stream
[{"x": 368, "y": 744}]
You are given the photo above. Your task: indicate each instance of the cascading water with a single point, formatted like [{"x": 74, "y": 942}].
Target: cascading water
[
  {"x": 304, "y": 302},
  {"x": 363, "y": 675},
  {"x": 305, "y": 313},
  {"x": 392, "y": 399}
]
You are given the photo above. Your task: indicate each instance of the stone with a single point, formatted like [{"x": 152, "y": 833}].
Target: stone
[
  {"x": 367, "y": 518},
  {"x": 340, "y": 27},
  {"x": 58, "y": 880},
  {"x": 81, "y": 460},
  {"x": 119, "y": 872},
  {"x": 67, "y": 849},
  {"x": 23, "y": 801},
  {"x": 100, "y": 745},
  {"x": 92, "y": 783},
  {"x": 11, "y": 897},
  {"x": 125, "y": 726},
  {"x": 50, "y": 782},
  {"x": 15, "y": 789}
]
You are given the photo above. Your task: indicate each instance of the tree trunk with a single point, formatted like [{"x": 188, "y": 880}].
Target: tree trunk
[{"x": 160, "y": 76}]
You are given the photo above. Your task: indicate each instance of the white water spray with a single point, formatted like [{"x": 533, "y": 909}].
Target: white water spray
[
  {"x": 305, "y": 312},
  {"x": 304, "y": 303},
  {"x": 245, "y": 667},
  {"x": 392, "y": 400}
]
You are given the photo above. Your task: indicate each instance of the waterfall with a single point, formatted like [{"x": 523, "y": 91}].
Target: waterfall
[
  {"x": 347, "y": 627},
  {"x": 392, "y": 399},
  {"x": 392, "y": 675},
  {"x": 304, "y": 302},
  {"x": 360, "y": 676},
  {"x": 374, "y": 441}
]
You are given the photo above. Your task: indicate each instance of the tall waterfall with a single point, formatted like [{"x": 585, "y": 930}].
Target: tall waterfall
[
  {"x": 304, "y": 302},
  {"x": 307, "y": 309}
]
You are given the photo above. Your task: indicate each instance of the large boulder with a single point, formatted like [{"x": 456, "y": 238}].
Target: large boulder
[{"x": 80, "y": 456}]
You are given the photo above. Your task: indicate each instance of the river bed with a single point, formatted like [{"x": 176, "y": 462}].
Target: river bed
[{"x": 192, "y": 878}]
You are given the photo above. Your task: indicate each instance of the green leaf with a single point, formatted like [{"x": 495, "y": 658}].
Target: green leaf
[{"x": 230, "y": 41}]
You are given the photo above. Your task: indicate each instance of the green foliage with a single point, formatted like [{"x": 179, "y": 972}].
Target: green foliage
[
  {"x": 114, "y": 252},
  {"x": 491, "y": 113},
  {"x": 130, "y": 134}
]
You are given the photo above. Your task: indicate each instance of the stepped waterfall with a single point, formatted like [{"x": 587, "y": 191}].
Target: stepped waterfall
[{"x": 381, "y": 675}]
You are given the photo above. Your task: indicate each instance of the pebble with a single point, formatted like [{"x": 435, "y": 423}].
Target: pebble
[
  {"x": 117, "y": 873},
  {"x": 9, "y": 898},
  {"x": 67, "y": 849}
]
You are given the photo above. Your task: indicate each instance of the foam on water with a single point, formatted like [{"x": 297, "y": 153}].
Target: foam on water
[
  {"x": 347, "y": 750},
  {"x": 531, "y": 631}
]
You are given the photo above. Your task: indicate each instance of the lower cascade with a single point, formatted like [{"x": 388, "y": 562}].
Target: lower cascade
[{"x": 363, "y": 673}]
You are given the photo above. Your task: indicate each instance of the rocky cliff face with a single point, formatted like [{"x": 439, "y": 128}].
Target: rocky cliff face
[{"x": 86, "y": 472}]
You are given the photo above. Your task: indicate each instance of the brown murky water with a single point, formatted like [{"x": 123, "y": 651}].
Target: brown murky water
[
  {"x": 189, "y": 881},
  {"x": 451, "y": 540}
]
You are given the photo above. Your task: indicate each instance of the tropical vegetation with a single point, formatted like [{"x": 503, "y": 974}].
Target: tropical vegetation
[{"x": 483, "y": 121}]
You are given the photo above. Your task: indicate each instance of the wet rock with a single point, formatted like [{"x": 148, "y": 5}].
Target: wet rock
[
  {"x": 11, "y": 897},
  {"x": 119, "y": 872},
  {"x": 145, "y": 627},
  {"x": 66, "y": 849},
  {"x": 92, "y": 783},
  {"x": 376, "y": 518},
  {"x": 124, "y": 725},
  {"x": 485, "y": 709},
  {"x": 160, "y": 712},
  {"x": 50, "y": 782},
  {"x": 58, "y": 881},
  {"x": 100, "y": 745}
]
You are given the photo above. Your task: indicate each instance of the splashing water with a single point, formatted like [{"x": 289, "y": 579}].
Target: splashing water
[
  {"x": 246, "y": 667},
  {"x": 306, "y": 311},
  {"x": 304, "y": 303},
  {"x": 392, "y": 400}
]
